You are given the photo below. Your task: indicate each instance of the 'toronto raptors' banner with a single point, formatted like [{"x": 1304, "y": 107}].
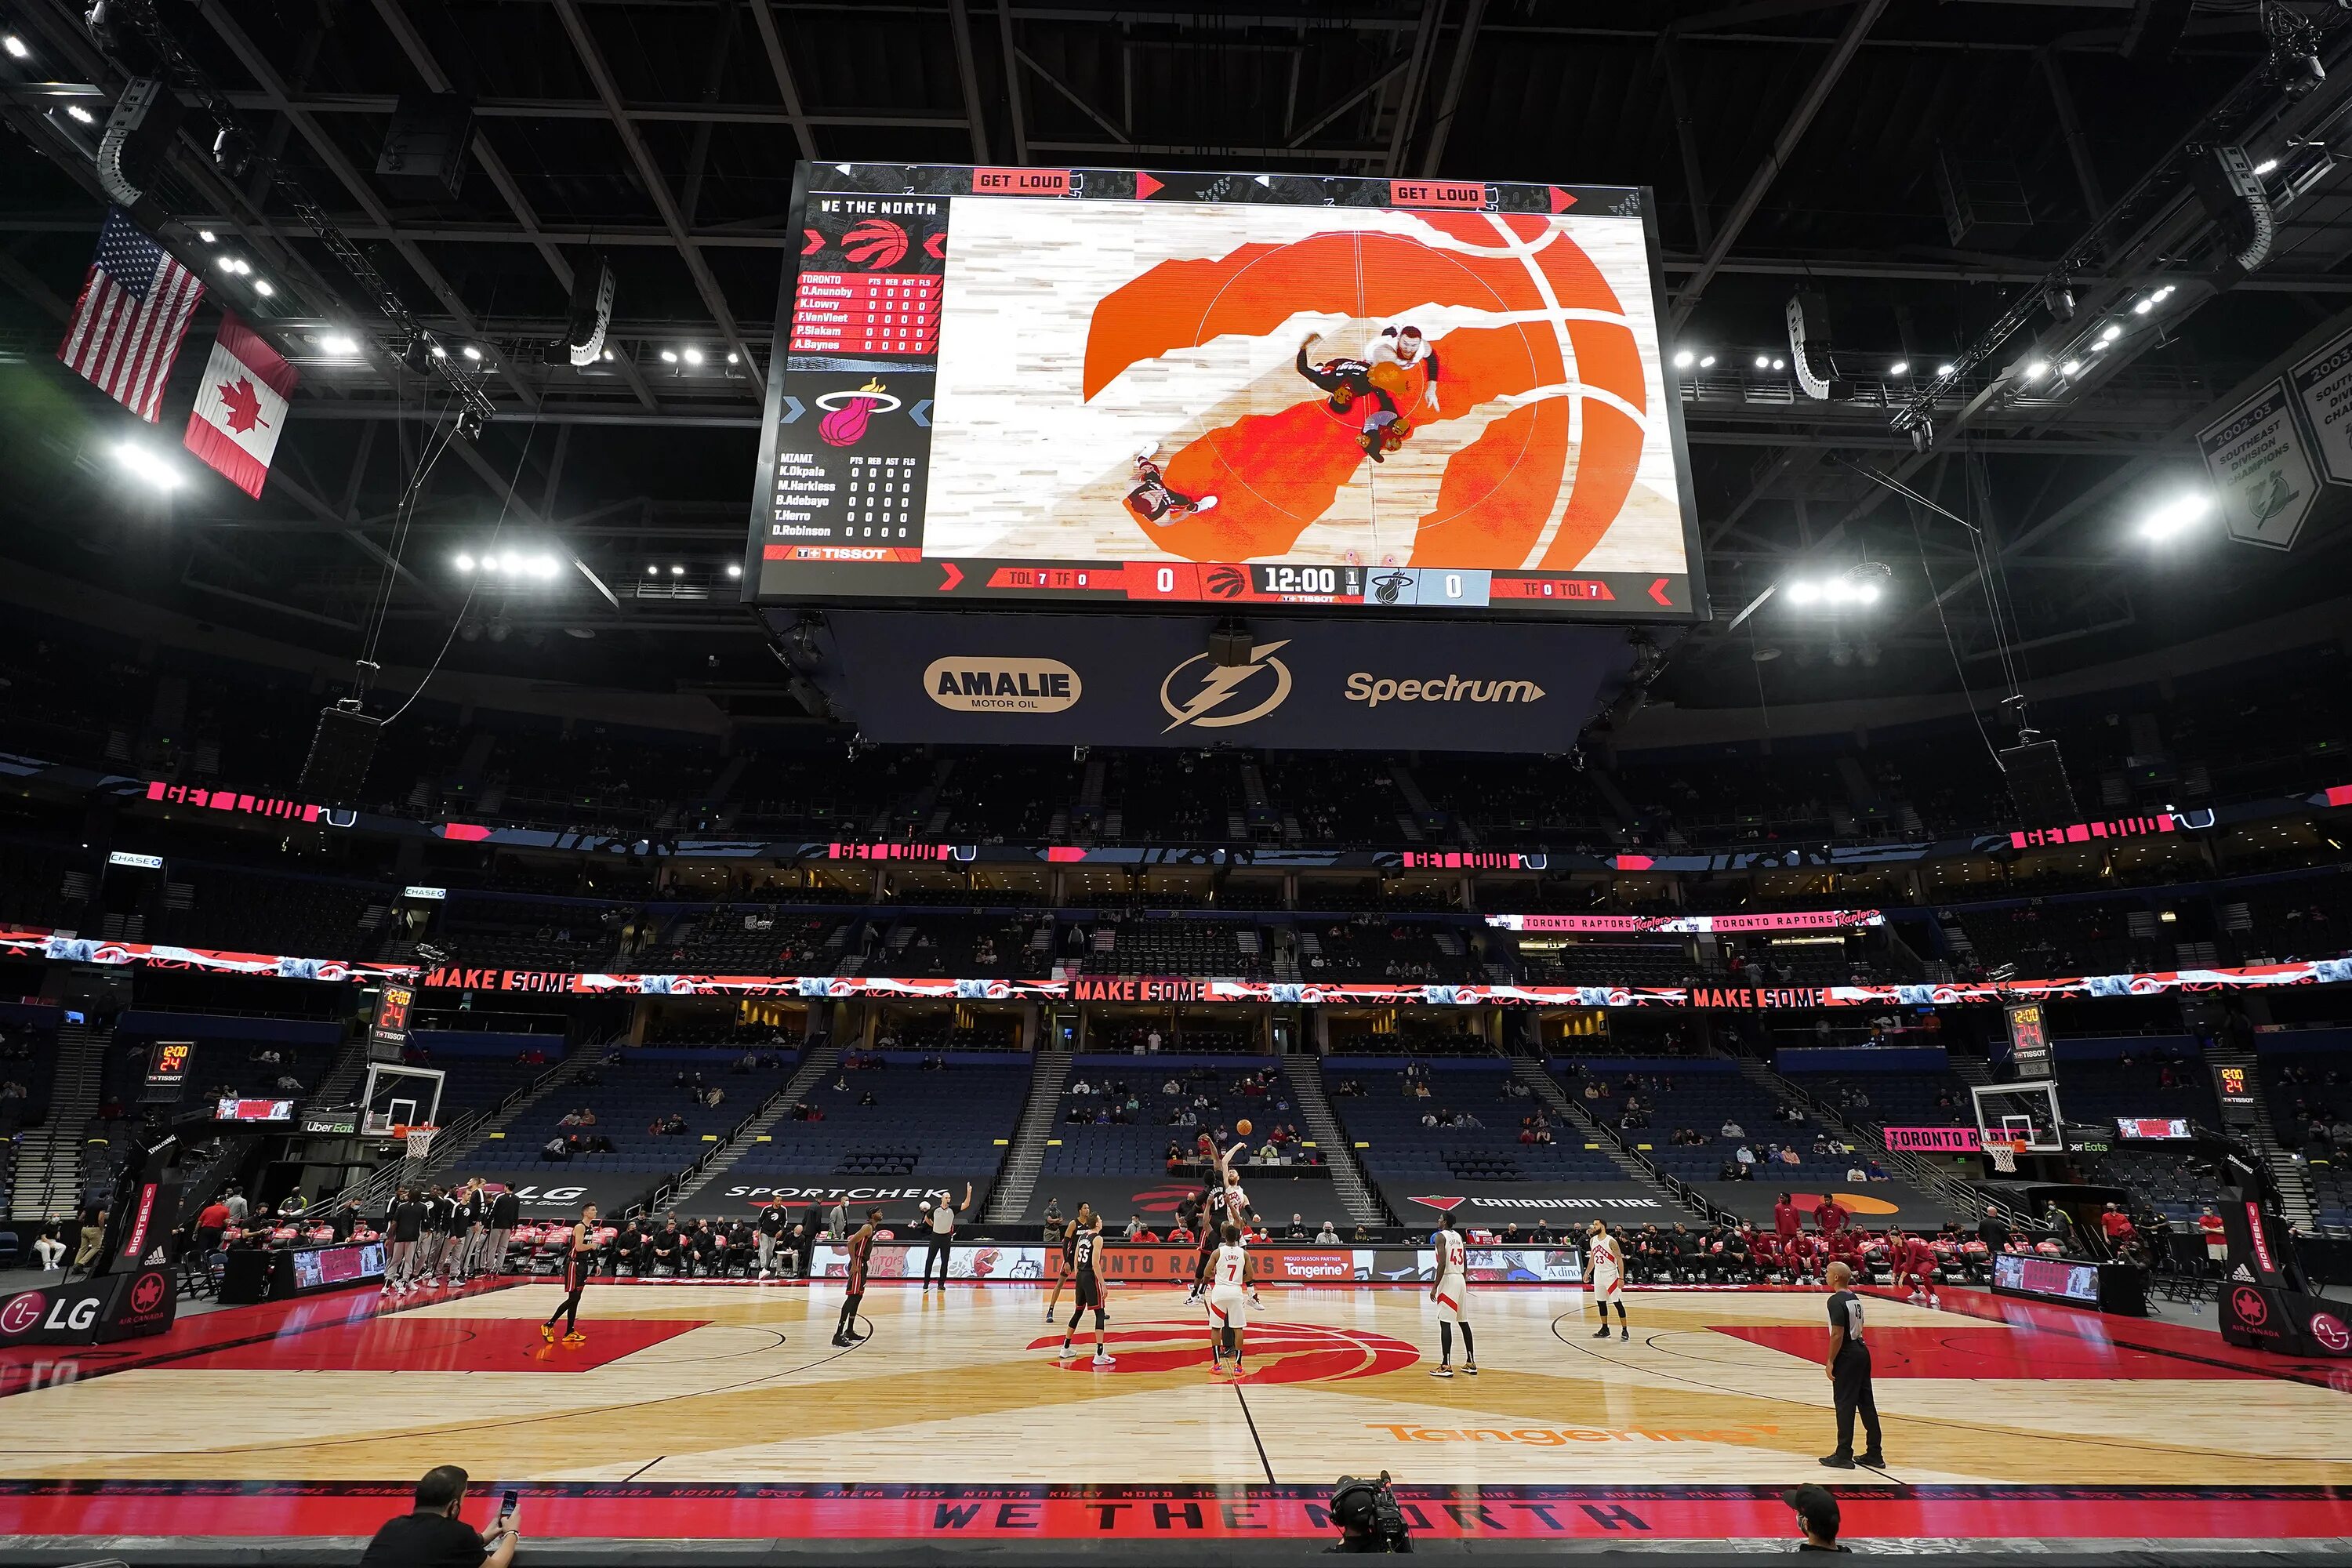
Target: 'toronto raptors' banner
[{"x": 1091, "y": 385}]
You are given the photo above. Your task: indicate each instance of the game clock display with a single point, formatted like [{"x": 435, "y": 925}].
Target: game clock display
[{"x": 1062, "y": 386}]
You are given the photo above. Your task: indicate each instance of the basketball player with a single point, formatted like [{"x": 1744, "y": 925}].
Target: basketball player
[
  {"x": 1153, "y": 501},
  {"x": 404, "y": 1224},
  {"x": 1606, "y": 1269},
  {"x": 1233, "y": 1292},
  {"x": 1451, "y": 1294},
  {"x": 438, "y": 1213},
  {"x": 1070, "y": 1259},
  {"x": 1910, "y": 1258},
  {"x": 1225, "y": 1202},
  {"x": 579, "y": 1262},
  {"x": 1086, "y": 1248},
  {"x": 861, "y": 1254}
]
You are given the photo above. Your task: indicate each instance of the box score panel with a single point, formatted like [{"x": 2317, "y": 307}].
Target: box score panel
[{"x": 905, "y": 572}]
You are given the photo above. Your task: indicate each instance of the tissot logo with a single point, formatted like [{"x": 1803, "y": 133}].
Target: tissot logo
[
  {"x": 977, "y": 685},
  {"x": 1219, "y": 696},
  {"x": 1371, "y": 690}
]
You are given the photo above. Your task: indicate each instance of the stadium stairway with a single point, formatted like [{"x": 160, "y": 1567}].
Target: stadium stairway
[
  {"x": 1337, "y": 1150},
  {"x": 341, "y": 1084},
  {"x": 1869, "y": 1141},
  {"x": 822, "y": 1059},
  {"x": 469, "y": 1134},
  {"x": 48, "y": 1162},
  {"x": 1531, "y": 1071},
  {"x": 1027, "y": 1155},
  {"x": 2295, "y": 1189}
]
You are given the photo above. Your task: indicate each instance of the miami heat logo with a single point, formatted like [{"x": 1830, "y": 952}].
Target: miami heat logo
[
  {"x": 1277, "y": 1352},
  {"x": 875, "y": 243},
  {"x": 848, "y": 414}
]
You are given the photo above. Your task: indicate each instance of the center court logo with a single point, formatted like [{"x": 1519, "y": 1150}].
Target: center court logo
[
  {"x": 1219, "y": 696},
  {"x": 981, "y": 685},
  {"x": 1278, "y": 1352}
]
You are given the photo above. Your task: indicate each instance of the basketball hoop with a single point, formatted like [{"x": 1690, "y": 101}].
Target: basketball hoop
[
  {"x": 420, "y": 1141},
  {"x": 2004, "y": 1157}
]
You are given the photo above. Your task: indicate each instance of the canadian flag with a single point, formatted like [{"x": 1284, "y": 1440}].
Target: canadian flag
[{"x": 240, "y": 406}]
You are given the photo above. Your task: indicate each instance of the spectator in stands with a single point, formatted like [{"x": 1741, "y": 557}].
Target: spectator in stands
[
  {"x": 558, "y": 1147},
  {"x": 1789, "y": 1156},
  {"x": 1731, "y": 1129},
  {"x": 49, "y": 1252},
  {"x": 433, "y": 1536},
  {"x": 1329, "y": 1236},
  {"x": 1746, "y": 1159}
]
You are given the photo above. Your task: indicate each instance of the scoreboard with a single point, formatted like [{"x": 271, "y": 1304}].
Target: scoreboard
[{"x": 1085, "y": 386}]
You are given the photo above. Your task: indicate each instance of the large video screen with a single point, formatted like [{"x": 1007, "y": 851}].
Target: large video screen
[{"x": 1113, "y": 386}]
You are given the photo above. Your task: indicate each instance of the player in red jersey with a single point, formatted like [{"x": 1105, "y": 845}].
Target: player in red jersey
[
  {"x": 1910, "y": 1258},
  {"x": 1153, "y": 501},
  {"x": 1786, "y": 1220},
  {"x": 861, "y": 1257},
  {"x": 579, "y": 1262}
]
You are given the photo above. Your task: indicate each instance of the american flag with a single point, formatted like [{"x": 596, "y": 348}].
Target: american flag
[{"x": 134, "y": 310}]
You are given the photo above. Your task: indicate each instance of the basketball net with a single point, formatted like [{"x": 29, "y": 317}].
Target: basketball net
[
  {"x": 420, "y": 1141},
  {"x": 2004, "y": 1157}
]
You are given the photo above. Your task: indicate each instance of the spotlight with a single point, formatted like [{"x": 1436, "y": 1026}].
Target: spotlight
[
  {"x": 1684, "y": 358},
  {"x": 2267, "y": 167},
  {"x": 80, "y": 114},
  {"x": 733, "y": 358},
  {"x": 2037, "y": 370},
  {"x": 677, "y": 570},
  {"x": 2164, "y": 293},
  {"x": 1704, "y": 360},
  {"x": 2112, "y": 333},
  {"x": 2070, "y": 367},
  {"x": 734, "y": 569},
  {"x": 471, "y": 352},
  {"x": 1943, "y": 370},
  {"x": 440, "y": 353},
  {"x": 206, "y": 235},
  {"x": 542, "y": 565},
  {"x": 694, "y": 356},
  {"x": 339, "y": 344},
  {"x": 1865, "y": 593},
  {"x": 608, "y": 355},
  {"x": 1763, "y": 362},
  {"x": 1779, "y": 364},
  {"x": 465, "y": 562},
  {"x": 1803, "y": 593},
  {"x": 2175, "y": 515},
  {"x": 227, "y": 264},
  {"x": 16, "y": 47},
  {"x": 1900, "y": 367},
  {"x": 491, "y": 564},
  {"x": 144, "y": 465},
  {"x": 652, "y": 571},
  {"x": 2142, "y": 307},
  {"x": 261, "y": 287},
  {"x": 669, "y": 356}
]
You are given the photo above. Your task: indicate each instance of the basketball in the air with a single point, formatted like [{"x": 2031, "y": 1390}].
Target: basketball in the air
[{"x": 1241, "y": 1128}]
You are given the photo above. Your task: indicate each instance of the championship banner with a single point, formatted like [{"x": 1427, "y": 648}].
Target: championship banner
[
  {"x": 2323, "y": 395},
  {"x": 2260, "y": 468}
]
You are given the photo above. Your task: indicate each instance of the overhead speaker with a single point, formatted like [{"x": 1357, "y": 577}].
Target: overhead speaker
[
  {"x": 590, "y": 316},
  {"x": 340, "y": 752},
  {"x": 1230, "y": 646},
  {"x": 2038, "y": 783},
  {"x": 1809, "y": 346},
  {"x": 2232, "y": 195},
  {"x": 2153, "y": 30},
  {"x": 137, "y": 139},
  {"x": 424, "y": 149}
]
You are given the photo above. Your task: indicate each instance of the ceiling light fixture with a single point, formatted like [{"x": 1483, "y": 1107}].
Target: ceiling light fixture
[
  {"x": 2175, "y": 516},
  {"x": 465, "y": 562},
  {"x": 261, "y": 287},
  {"x": 694, "y": 356},
  {"x": 1685, "y": 359},
  {"x": 2037, "y": 370},
  {"x": 143, "y": 464},
  {"x": 669, "y": 356},
  {"x": 1900, "y": 367},
  {"x": 339, "y": 343},
  {"x": 206, "y": 235},
  {"x": 16, "y": 47},
  {"x": 82, "y": 114},
  {"x": 471, "y": 352}
]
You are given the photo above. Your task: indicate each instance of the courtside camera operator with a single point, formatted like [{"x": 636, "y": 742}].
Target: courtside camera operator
[
  {"x": 434, "y": 1537},
  {"x": 1368, "y": 1517}
]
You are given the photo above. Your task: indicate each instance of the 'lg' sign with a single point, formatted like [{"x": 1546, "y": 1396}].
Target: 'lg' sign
[{"x": 23, "y": 1311}]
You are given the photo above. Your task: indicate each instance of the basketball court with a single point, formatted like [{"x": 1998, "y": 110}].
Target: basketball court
[{"x": 722, "y": 1412}]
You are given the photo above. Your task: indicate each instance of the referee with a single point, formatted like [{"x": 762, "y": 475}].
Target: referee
[
  {"x": 940, "y": 1223},
  {"x": 1849, "y": 1373}
]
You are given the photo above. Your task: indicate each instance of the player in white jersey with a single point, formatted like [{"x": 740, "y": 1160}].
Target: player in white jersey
[
  {"x": 1605, "y": 1278},
  {"x": 1452, "y": 1293},
  {"x": 1233, "y": 1293}
]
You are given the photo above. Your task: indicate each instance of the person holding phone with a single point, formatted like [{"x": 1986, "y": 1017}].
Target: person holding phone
[{"x": 433, "y": 1536}]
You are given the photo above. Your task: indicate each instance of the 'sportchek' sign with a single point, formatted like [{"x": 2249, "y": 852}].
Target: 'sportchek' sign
[
  {"x": 2323, "y": 391},
  {"x": 2260, "y": 468}
]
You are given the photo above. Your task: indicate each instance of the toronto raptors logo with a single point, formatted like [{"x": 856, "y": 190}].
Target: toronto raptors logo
[
  {"x": 875, "y": 243},
  {"x": 21, "y": 1312},
  {"x": 2248, "y": 1303},
  {"x": 2330, "y": 1331},
  {"x": 1278, "y": 1352},
  {"x": 147, "y": 1293}
]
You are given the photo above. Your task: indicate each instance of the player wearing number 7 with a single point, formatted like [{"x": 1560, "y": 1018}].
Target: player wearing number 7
[{"x": 1233, "y": 1295}]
